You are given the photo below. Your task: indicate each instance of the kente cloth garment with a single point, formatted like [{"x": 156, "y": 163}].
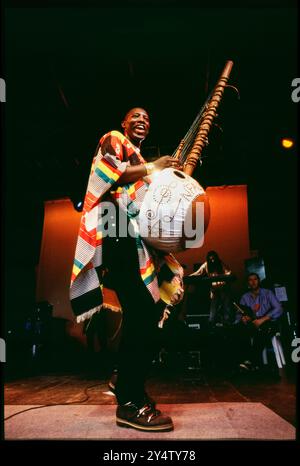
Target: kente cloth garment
[{"x": 114, "y": 153}]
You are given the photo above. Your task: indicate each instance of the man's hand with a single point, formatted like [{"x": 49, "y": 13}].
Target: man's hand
[
  {"x": 167, "y": 161},
  {"x": 260, "y": 321},
  {"x": 246, "y": 319},
  {"x": 136, "y": 172}
]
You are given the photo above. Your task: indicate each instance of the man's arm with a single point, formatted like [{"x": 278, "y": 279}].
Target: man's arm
[
  {"x": 240, "y": 317},
  {"x": 261, "y": 320},
  {"x": 133, "y": 173},
  {"x": 276, "y": 310},
  {"x": 201, "y": 271},
  {"x": 136, "y": 172},
  {"x": 274, "y": 313}
]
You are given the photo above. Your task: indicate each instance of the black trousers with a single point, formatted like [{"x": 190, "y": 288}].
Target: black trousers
[
  {"x": 140, "y": 337},
  {"x": 247, "y": 342}
]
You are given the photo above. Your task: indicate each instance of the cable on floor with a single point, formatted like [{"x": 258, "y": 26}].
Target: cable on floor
[{"x": 87, "y": 397}]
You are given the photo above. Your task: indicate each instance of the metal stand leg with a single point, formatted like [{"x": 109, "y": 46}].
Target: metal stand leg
[
  {"x": 280, "y": 350},
  {"x": 276, "y": 351},
  {"x": 264, "y": 356}
]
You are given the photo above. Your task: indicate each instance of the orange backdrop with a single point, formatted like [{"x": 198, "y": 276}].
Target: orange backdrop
[{"x": 227, "y": 233}]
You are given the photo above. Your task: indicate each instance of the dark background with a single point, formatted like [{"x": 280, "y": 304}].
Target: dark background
[{"x": 72, "y": 73}]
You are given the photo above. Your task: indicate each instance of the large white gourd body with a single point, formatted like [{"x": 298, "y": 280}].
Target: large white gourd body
[{"x": 169, "y": 208}]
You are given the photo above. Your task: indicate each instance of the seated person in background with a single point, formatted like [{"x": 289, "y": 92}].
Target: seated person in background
[
  {"x": 261, "y": 311},
  {"x": 220, "y": 303}
]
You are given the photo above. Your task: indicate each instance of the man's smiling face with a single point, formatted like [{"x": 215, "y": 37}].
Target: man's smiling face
[{"x": 136, "y": 125}]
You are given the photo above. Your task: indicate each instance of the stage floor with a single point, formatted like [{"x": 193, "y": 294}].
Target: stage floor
[
  {"x": 192, "y": 421},
  {"x": 261, "y": 400}
]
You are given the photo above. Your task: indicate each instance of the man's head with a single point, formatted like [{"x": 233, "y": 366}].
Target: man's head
[
  {"x": 253, "y": 281},
  {"x": 136, "y": 125}
]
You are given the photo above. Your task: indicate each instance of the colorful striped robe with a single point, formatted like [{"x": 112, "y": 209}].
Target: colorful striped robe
[{"x": 115, "y": 152}]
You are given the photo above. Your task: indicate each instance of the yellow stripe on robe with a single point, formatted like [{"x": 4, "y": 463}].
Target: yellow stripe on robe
[
  {"x": 108, "y": 172},
  {"x": 75, "y": 270},
  {"x": 148, "y": 272},
  {"x": 131, "y": 189},
  {"x": 119, "y": 190},
  {"x": 118, "y": 135}
]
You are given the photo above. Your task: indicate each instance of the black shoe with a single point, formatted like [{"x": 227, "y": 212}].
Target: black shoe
[{"x": 146, "y": 418}]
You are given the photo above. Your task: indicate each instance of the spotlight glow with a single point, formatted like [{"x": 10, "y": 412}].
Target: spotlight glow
[
  {"x": 78, "y": 205},
  {"x": 287, "y": 143}
]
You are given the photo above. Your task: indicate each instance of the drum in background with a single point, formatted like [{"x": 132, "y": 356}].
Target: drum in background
[{"x": 174, "y": 214}]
